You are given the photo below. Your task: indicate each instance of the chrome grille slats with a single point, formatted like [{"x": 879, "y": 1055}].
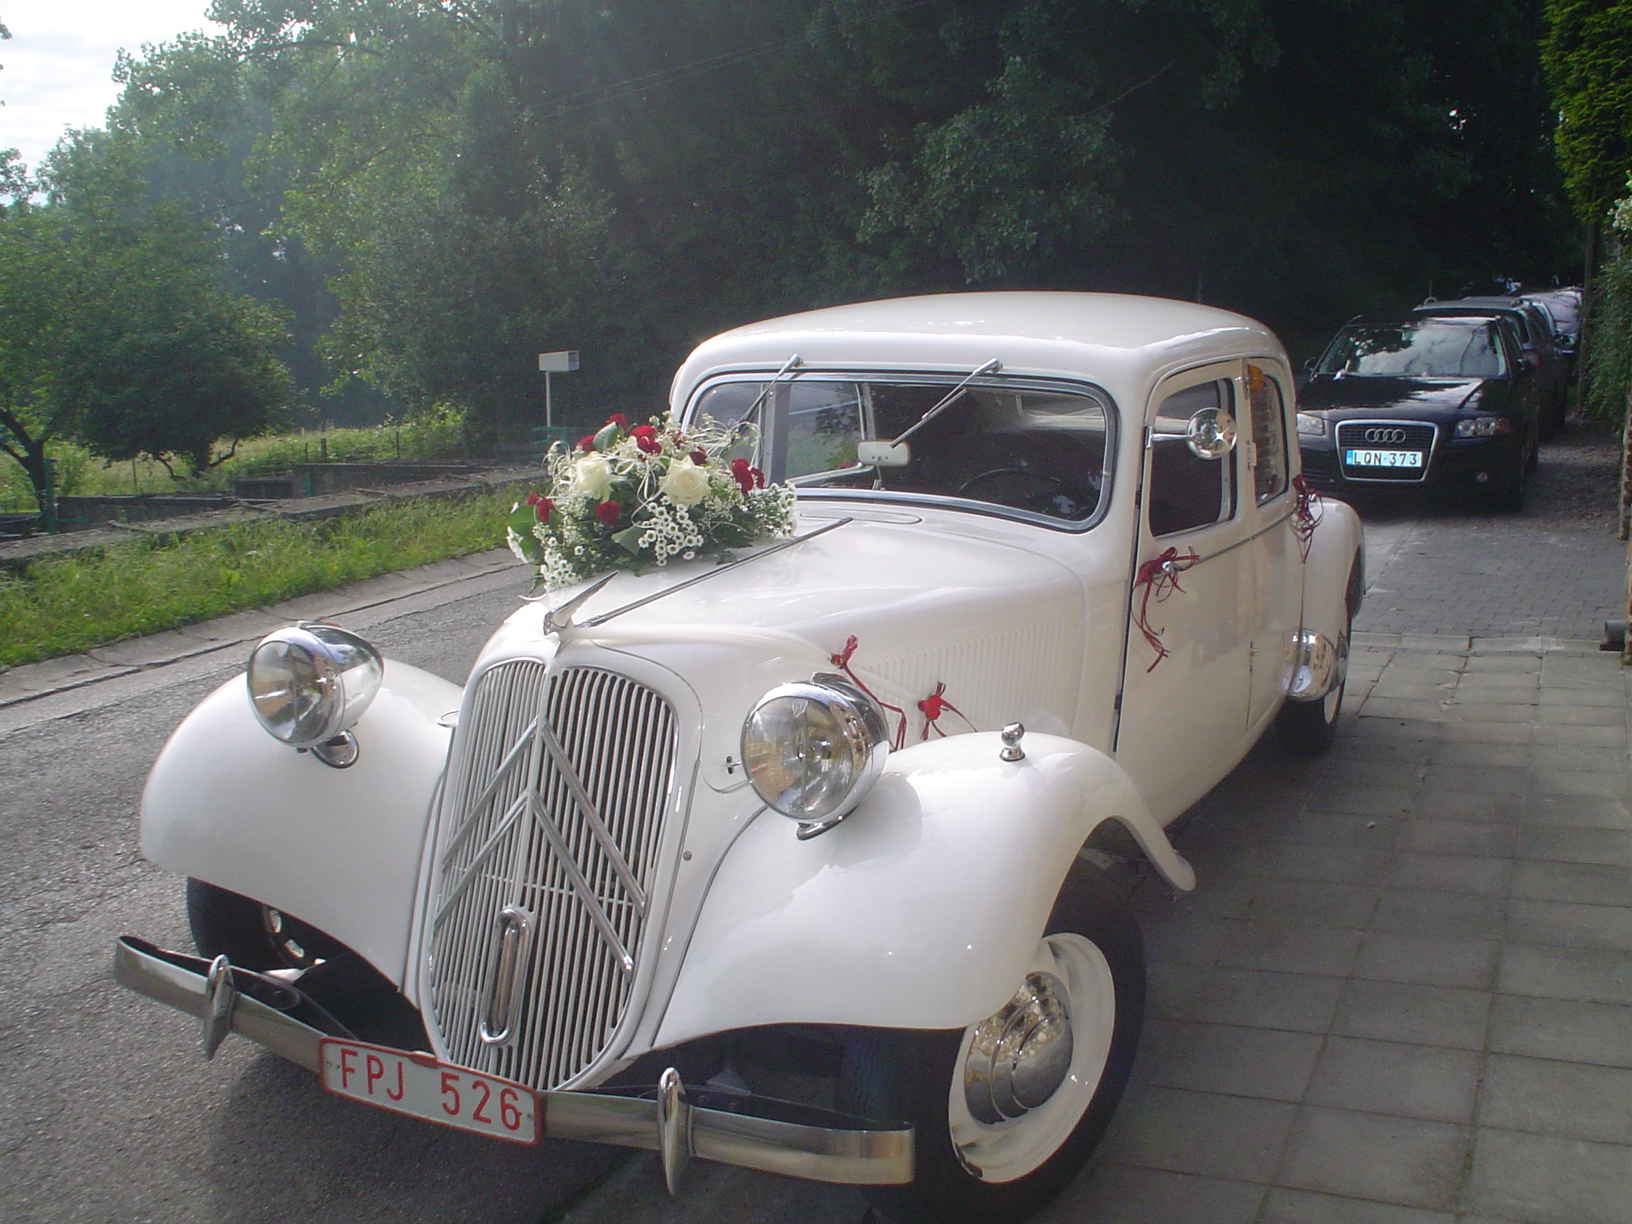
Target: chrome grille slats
[{"x": 556, "y": 795}]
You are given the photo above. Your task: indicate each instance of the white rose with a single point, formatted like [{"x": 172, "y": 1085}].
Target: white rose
[
  {"x": 685, "y": 484},
  {"x": 592, "y": 477}
]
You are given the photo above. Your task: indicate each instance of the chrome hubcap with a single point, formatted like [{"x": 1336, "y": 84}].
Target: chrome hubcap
[{"x": 1018, "y": 1057}]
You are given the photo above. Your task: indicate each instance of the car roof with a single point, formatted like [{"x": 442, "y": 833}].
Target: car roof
[
  {"x": 1104, "y": 337},
  {"x": 1403, "y": 317}
]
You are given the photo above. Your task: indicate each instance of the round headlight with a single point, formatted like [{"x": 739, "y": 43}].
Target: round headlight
[
  {"x": 310, "y": 682},
  {"x": 812, "y": 749}
]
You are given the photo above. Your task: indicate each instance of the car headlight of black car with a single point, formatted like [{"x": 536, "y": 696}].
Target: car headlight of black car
[
  {"x": 1483, "y": 427},
  {"x": 1311, "y": 426}
]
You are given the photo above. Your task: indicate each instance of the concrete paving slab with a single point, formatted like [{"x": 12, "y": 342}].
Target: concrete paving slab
[
  {"x": 1402, "y": 1011},
  {"x": 1407, "y": 1161},
  {"x": 1568, "y": 1030},
  {"x": 1391, "y": 1077},
  {"x": 1548, "y": 1097},
  {"x": 1549, "y": 1179}
]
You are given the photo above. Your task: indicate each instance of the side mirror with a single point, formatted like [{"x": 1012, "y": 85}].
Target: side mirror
[
  {"x": 880, "y": 452},
  {"x": 1210, "y": 434}
]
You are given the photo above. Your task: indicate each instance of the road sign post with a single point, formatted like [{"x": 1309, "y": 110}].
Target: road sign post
[{"x": 555, "y": 363}]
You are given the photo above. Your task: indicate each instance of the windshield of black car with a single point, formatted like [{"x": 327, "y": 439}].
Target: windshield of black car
[
  {"x": 1421, "y": 348},
  {"x": 1037, "y": 448}
]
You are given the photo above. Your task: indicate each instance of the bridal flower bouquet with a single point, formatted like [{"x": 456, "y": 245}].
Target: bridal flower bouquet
[{"x": 629, "y": 498}]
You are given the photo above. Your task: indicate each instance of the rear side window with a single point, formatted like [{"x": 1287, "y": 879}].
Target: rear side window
[
  {"x": 1187, "y": 491},
  {"x": 1268, "y": 435}
]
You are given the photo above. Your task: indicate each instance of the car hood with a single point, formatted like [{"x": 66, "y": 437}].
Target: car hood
[
  {"x": 1355, "y": 394},
  {"x": 979, "y": 608}
]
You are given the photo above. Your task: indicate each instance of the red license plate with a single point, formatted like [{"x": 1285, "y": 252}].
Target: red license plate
[{"x": 422, "y": 1086}]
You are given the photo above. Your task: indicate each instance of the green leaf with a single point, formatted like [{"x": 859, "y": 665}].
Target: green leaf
[{"x": 629, "y": 540}]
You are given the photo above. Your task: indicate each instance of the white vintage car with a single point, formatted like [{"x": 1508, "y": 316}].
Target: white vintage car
[{"x": 850, "y": 794}]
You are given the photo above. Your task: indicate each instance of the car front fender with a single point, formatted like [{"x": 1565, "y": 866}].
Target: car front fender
[
  {"x": 921, "y": 910},
  {"x": 338, "y": 848}
]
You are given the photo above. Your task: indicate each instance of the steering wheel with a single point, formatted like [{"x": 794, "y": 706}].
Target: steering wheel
[{"x": 1058, "y": 497}]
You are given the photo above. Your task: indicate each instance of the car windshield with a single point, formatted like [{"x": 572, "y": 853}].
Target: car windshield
[
  {"x": 1425, "y": 348},
  {"x": 1031, "y": 447}
]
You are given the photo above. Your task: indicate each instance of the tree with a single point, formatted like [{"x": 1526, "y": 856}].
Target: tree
[
  {"x": 116, "y": 331},
  {"x": 1588, "y": 56}
]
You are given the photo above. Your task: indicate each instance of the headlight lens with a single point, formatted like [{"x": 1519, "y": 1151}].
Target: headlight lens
[
  {"x": 813, "y": 749},
  {"x": 1483, "y": 427},
  {"x": 1310, "y": 425},
  {"x": 310, "y": 682}
]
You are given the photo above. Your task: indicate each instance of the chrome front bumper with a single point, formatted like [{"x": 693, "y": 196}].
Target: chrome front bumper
[{"x": 731, "y": 1128}]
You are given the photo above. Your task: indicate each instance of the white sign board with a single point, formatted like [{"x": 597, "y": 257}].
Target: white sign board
[{"x": 558, "y": 363}]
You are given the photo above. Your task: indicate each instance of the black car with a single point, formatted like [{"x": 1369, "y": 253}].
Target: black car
[
  {"x": 1537, "y": 341},
  {"x": 1412, "y": 400}
]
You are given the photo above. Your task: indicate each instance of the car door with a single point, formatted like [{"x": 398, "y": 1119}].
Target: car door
[
  {"x": 1276, "y": 547},
  {"x": 1186, "y": 672}
]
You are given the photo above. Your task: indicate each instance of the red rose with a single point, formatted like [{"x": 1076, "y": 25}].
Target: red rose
[
  {"x": 743, "y": 474},
  {"x": 646, "y": 438},
  {"x": 759, "y": 477},
  {"x": 700, "y": 457},
  {"x": 618, "y": 419},
  {"x": 542, "y": 507},
  {"x": 534, "y": 498},
  {"x": 607, "y": 512},
  {"x": 587, "y": 442}
]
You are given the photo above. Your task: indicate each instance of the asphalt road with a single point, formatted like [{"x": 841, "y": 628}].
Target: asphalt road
[{"x": 107, "y": 1111}]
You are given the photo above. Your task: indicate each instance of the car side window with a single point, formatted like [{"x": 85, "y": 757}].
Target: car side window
[
  {"x": 1268, "y": 435},
  {"x": 1187, "y": 491}
]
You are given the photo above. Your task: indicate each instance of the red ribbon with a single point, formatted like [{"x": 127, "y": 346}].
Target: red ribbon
[
  {"x": 1160, "y": 578},
  {"x": 842, "y": 662},
  {"x": 1306, "y": 513},
  {"x": 934, "y": 705}
]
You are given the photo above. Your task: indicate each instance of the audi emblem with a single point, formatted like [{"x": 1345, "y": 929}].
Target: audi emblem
[{"x": 1378, "y": 433}]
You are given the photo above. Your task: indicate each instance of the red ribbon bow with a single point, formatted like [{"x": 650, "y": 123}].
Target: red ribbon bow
[
  {"x": 1160, "y": 578},
  {"x": 1307, "y": 512},
  {"x": 842, "y": 662},
  {"x": 934, "y": 705}
]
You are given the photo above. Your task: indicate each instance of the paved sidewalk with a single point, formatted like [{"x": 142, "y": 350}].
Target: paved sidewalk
[{"x": 1403, "y": 991}]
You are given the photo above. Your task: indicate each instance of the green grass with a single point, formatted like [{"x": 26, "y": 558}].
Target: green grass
[
  {"x": 63, "y": 605},
  {"x": 437, "y": 434}
]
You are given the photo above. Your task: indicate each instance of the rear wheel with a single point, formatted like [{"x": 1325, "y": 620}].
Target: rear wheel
[
  {"x": 1008, "y": 1110},
  {"x": 1308, "y": 728},
  {"x": 252, "y": 935}
]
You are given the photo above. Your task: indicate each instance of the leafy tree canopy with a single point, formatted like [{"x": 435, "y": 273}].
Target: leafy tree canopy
[
  {"x": 1587, "y": 51},
  {"x": 486, "y": 179},
  {"x": 115, "y": 328}
]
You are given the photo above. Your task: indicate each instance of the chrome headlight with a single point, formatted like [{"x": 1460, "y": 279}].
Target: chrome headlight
[
  {"x": 812, "y": 749},
  {"x": 1311, "y": 426},
  {"x": 310, "y": 682},
  {"x": 1483, "y": 427}
]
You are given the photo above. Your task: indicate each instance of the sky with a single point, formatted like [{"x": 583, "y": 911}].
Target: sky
[{"x": 58, "y": 63}]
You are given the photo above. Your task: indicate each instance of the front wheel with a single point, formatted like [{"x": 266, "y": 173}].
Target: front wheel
[
  {"x": 1008, "y": 1110},
  {"x": 252, "y": 935}
]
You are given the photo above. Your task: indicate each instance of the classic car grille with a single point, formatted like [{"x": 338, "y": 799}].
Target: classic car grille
[
  {"x": 1385, "y": 436},
  {"x": 558, "y": 817}
]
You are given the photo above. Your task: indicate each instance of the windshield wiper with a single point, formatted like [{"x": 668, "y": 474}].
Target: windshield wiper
[
  {"x": 792, "y": 363},
  {"x": 991, "y": 367}
]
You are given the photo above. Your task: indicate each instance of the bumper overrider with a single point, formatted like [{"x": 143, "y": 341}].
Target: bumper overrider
[{"x": 674, "y": 1121}]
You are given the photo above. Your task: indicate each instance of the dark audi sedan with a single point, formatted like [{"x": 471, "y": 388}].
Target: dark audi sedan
[{"x": 1413, "y": 400}]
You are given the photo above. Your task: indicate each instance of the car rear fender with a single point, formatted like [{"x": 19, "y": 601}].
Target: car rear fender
[
  {"x": 1334, "y": 575},
  {"x": 921, "y": 910},
  {"x": 338, "y": 848}
]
